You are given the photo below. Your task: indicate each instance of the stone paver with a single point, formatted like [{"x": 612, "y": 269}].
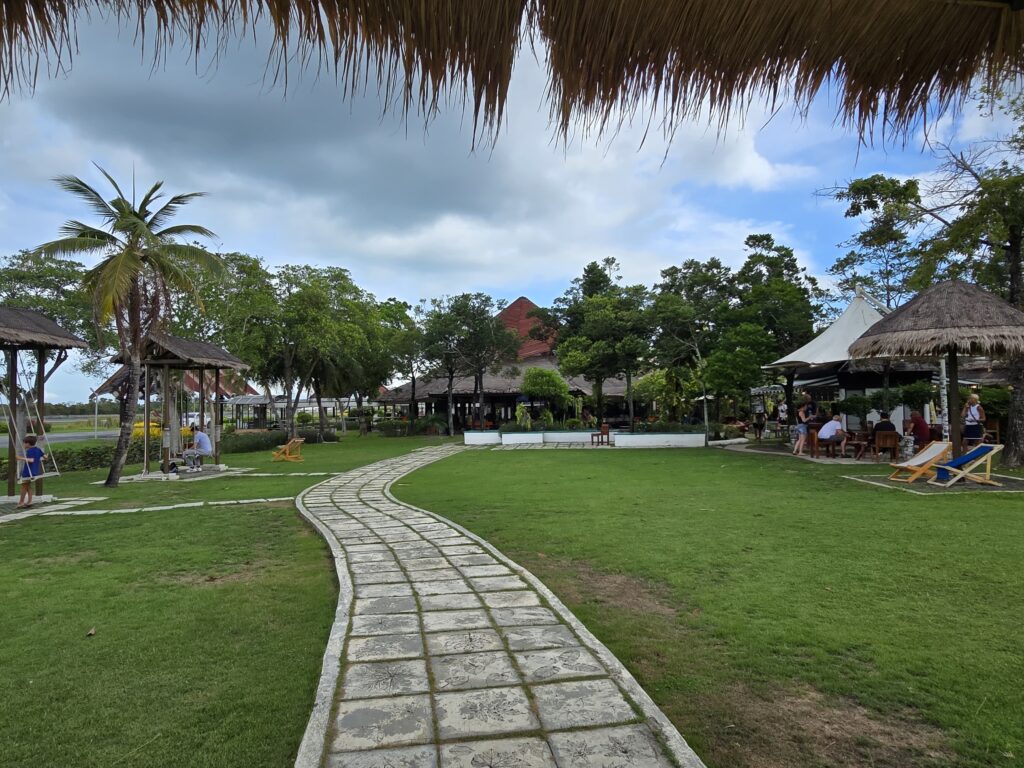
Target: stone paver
[{"x": 452, "y": 658}]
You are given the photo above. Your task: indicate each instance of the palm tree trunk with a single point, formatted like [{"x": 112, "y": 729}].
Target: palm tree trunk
[
  {"x": 480, "y": 403},
  {"x": 320, "y": 405},
  {"x": 413, "y": 407},
  {"x": 451, "y": 409},
  {"x": 129, "y": 401}
]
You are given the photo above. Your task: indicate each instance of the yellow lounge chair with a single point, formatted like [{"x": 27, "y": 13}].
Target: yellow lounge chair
[
  {"x": 948, "y": 472},
  {"x": 922, "y": 464},
  {"x": 290, "y": 451}
]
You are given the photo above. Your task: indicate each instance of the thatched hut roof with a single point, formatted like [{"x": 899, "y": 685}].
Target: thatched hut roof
[
  {"x": 27, "y": 329},
  {"x": 173, "y": 351},
  {"x": 949, "y": 315},
  {"x": 890, "y": 62}
]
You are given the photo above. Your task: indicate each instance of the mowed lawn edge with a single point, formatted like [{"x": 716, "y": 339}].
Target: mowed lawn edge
[
  {"x": 210, "y": 623},
  {"x": 752, "y": 593}
]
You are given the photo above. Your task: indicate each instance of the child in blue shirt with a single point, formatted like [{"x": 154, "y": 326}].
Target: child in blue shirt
[{"x": 31, "y": 468}]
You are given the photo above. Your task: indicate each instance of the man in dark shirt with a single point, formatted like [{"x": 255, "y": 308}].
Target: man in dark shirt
[{"x": 883, "y": 425}]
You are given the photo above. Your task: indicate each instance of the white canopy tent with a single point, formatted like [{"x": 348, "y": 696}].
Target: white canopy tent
[{"x": 832, "y": 345}]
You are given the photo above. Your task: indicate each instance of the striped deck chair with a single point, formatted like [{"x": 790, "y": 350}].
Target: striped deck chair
[
  {"x": 948, "y": 472},
  {"x": 922, "y": 464}
]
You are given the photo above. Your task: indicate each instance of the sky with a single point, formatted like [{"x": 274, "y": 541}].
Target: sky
[{"x": 412, "y": 211}]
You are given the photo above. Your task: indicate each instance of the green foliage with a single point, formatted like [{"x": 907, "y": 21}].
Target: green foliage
[
  {"x": 573, "y": 425},
  {"x": 250, "y": 442},
  {"x": 545, "y": 384},
  {"x": 523, "y": 419},
  {"x": 914, "y": 396},
  {"x": 76, "y": 459},
  {"x": 393, "y": 427},
  {"x": 547, "y": 419},
  {"x": 856, "y": 405},
  {"x": 304, "y": 418},
  {"x": 996, "y": 401}
]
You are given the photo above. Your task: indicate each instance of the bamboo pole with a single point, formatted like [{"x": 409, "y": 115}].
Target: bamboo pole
[
  {"x": 12, "y": 437},
  {"x": 40, "y": 407}
]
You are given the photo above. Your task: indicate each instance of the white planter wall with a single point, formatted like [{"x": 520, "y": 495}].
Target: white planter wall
[
  {"x": 662, "y": 440},
  {"x": 519, "y": 438},
  {"x": 567, "y": 437},
  {"x": 490, "y": 437}
]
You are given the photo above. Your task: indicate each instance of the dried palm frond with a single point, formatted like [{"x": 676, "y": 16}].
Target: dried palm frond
[{"x": 892, "y": 63}]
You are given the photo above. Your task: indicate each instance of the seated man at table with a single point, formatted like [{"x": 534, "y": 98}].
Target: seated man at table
[
  {"x": 831, "y": 433},
  {"x": 920, "y": 430},
  {"x": 201, "y": 446},
  {"x": 883, "y": 425}
]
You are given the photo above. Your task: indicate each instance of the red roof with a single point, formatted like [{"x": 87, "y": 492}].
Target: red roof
[{"x": 515, "y": 318}]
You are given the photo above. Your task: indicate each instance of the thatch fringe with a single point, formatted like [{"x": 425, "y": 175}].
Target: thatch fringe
[
  {"x": 27, "y": 329},
  {"x": 997, "y": 341},
  {"x": 893, "y": 62}
]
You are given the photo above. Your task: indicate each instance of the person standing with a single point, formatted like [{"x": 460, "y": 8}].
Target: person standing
[
  {"x": 804, "y": 416},
  {"x": 973, "y": 416}
]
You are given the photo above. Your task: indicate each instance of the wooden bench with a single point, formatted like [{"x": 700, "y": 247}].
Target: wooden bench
[{"x": 290, "y": 451}]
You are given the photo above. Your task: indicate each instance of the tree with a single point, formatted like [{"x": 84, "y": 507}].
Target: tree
[
  {"x": 734, "y": 368},
  {"x": 142, "y": 261},
  {"x": 545, "y": 384},
  {"x": 484, "y": 345},
  {"x": 53, "y": 287},
  {"x": 443, "y": 331},
  {"x": 407, "y": 344}
]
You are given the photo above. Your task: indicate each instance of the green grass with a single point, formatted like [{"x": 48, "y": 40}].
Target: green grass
[
  {"x": 326, "y": 457},
  {"x": 745, "y": 581},
  {"x": 210, "y": 622}
]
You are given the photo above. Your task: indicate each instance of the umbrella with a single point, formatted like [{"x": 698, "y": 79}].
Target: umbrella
[{"x": 948, "y": 319}]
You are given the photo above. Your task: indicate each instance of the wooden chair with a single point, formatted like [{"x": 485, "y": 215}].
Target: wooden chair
[
  {"x": 886, "y": 441},
  {"x": 992, "y": 430},
  {"x": 922, "y": 464},
  {"x": 290, "y": 451},
  {"x": 603, "y": 437},
  {"x": 949, "y": 472}
]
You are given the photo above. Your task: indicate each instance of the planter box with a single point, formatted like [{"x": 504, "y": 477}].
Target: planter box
[
  {"x": 659, "y": 440},
  {"x": 519, "y": 438},
  {"x": 489, "y": 437},
  {"x": 575, "y": 436}
]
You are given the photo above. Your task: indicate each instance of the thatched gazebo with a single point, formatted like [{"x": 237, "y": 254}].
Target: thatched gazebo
[
  {"x": 25, "y": 329},
  {"x": 890, "y": 62},
  {"x": 947, "y": 320}
]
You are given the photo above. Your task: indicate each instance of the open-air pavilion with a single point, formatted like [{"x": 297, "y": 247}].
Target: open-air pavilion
[
  {"x": 164, "y": 353},
  {"x": 27, "y": 330}
]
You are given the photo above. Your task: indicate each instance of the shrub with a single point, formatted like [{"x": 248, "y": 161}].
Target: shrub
[
  {"x": 393, "y": 428},
  {"x": 304, "y": 418},
  {"x": 75, "y": 459},
  {"x": 511, "y": 426},
  {"x": 250, "y": 442},
  {"x": 573, "y": 425},
  {"x": 523, "y": 418},
  {"x": 434, "y": 424}
]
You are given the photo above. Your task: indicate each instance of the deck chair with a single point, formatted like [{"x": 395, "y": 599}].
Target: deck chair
[
  {"x": 290, "y": 451},
  {"x": 922, "y": 464},
  {"x": 948, "y": 472}
]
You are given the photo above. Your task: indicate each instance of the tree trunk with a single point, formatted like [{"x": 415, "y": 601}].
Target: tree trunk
[
  {"x": 629, "y": 397},
  {"x": 1013, "y": 258},
  {"x": 1013, "y": 454},
  {"x": 129, "y": 401},
  {"x": 451, "y": 409},
  {"x": 320, "y": 406},
  {"x": 480, "y": 405},
  {"x": 787, "y": 389},
  {"x": 886, "y": 369},
  {"x": 413, "y": 406}
]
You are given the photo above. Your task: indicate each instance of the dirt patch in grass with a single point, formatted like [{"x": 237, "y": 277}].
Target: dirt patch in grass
[
  {"x": 243, "y": 573},
  {"x": 70, "y": 558},
  {"x": 802, "y": 726},
  {"x": 617, "y": 590}
]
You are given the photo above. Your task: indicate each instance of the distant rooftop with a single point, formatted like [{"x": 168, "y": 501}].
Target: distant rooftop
[{"x": 516, "y": 318}]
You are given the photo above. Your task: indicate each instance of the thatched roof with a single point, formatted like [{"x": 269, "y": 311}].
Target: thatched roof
[
  {"x": 888, "y": 62},
  {"x": 27, "y": 329},
  {"x": 164, "y": 349},
  {"x": 949, "y": 315}
]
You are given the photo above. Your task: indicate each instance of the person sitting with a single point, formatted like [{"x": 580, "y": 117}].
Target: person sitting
[
  {"x": 201, "y": 446},
  {"x": 832, "y": 433},
  {"x": 884, "y": 425},
  {"x": 919, "y": 429},
  {"x": 32, "y": 466}
]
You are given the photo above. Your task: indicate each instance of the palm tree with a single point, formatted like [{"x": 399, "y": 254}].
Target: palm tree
[{"x": 143, "y": 264}]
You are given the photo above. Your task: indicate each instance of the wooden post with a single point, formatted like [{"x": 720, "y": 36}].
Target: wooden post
[
  {"x": 165, "y": 432},
  {"x": 146, "y": 416},
  {"x": 40, "y": 406},
  {"x": 202, "y": 399},
  {"x": 954, "y": 404},
  {"x": 218, "y": 416},
  {"x": 12, "y": 438}
]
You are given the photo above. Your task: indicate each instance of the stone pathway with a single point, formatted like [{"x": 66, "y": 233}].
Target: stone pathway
[{"x": 445, "y": 654}]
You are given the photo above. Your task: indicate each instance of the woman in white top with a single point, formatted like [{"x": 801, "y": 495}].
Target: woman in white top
[{"x": 974, "y": 420}]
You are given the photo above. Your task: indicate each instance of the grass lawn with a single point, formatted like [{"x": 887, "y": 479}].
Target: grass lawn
[
  {"x": 326, "y": 457},
  {"x": 210, "y": 622},
  {"x": 779, "y": 614}
]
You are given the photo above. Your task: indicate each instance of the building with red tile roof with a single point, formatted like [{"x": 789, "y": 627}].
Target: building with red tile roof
[{"x": 516, "y": 317}]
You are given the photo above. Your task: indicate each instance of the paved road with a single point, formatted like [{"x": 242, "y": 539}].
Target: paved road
[
  {"x": 65, "y": 437},
  {"x": 453, "y": 656}
]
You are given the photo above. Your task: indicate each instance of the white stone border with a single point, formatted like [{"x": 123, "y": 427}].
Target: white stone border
[
  {"x": 676, "y": 744},
  {"x": 311, "y": 750}
]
